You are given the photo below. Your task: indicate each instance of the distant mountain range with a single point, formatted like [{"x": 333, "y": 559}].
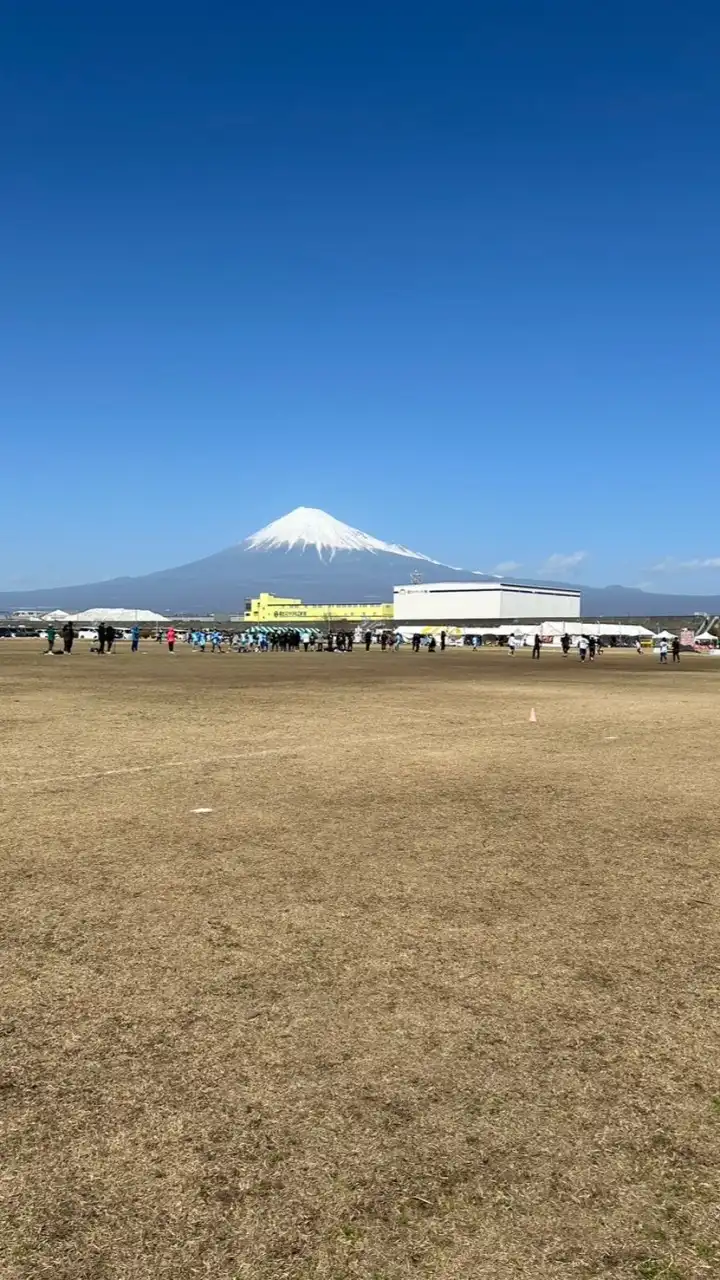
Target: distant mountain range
[{"x": 311, "y": 555}]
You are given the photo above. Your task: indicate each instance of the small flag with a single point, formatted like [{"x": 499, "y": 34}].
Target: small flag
[{"x": 533, "y": 717}]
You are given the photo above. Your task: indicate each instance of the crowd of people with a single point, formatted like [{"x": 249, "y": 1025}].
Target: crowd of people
[
  {"x": 590, "y": 647},
  {"x": 291, "y": 641}
]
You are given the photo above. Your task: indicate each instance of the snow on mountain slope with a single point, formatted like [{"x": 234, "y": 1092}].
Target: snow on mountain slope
[{"x": 309, "y": 527}]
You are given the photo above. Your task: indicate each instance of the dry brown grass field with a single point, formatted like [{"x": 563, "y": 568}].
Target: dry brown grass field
[{"x": 431, "y": 991}]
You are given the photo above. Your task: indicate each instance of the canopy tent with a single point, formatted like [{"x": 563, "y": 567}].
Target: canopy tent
[
  {"x": 507, "y": 629},
  {"x": 555, "y": 629},
  {"x": 665, "y": 635},
  {"x": 125, "y": 616},
  {"x": 435, "y": 629},
  {"x": 630, "y": 630},
  {"x": 276, "y": 628},
  {"x": 706, "y": 637},
  {"x": 57, "y": 615}
]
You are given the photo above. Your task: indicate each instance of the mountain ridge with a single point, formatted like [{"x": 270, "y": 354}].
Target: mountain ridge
[{"x": 311, "y": 555}]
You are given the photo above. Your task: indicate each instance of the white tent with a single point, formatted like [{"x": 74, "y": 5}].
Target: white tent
[
  {"x": 57, "y": 615},
  {"x": 706, "y": 637},
  {"x": 556, "y": 629},
  {"x": 630, "y": 630},
  {"x": 665, "y": 635},
  {"x": 125, "y": 616}
]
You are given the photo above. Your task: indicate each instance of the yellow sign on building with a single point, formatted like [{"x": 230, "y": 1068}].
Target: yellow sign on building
[{"x": 277, "y": 609}]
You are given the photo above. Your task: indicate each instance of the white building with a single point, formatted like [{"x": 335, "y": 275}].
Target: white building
[{"x": 464, "y": 603}]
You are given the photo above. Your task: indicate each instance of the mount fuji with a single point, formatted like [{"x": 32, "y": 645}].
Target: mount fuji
[
  {"x": 311, "y": 555},
  {"x": 307, "y": 553}
]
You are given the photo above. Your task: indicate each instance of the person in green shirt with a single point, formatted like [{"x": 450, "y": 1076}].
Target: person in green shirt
[{"x": 51, "y": 633}]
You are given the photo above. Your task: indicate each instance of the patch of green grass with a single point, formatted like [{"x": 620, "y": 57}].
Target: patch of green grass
[
  {"x": 653, "y": 1269},
  {"x": 350, "y": 1232}
]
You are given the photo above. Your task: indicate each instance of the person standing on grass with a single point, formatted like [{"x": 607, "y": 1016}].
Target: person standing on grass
[
  {"x": 134, "y": 638},
  {"x": 565, "y": 644},
  {"x": 102, "y": 636},
  {"x": 663, "y": 651},
  {"x": 68, "y": 635},
  {"x": 676, "y": 650},
  {"x": 442, "y": 641},
  {"x": 171, "y": 639},
  {"x": 536, "y": 647},
  {"x": 368, "y": 641},
  {"x": 110, "y": 634},
  {"x": 512, "y": 645},
  {"x": 51, "y": 633}
]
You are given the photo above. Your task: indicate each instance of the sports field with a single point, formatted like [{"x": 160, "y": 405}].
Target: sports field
[{"x": 429, "y": 991}]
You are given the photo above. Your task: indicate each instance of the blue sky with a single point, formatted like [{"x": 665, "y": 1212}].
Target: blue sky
[{"x": 447, "y": 271}]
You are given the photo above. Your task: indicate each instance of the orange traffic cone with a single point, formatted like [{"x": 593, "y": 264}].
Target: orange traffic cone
[{"x": 533, "y": 717}]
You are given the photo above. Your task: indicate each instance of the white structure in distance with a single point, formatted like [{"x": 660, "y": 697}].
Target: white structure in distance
[
  {"x": 458, "y": 603},
  {"x": 125, "y": 616}
]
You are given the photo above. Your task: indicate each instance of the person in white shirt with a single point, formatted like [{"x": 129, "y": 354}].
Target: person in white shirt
[
  {"x": 582, "y": 648},
  {"x": 512, "y": 642},
  {"x": 663, "y": 650}
]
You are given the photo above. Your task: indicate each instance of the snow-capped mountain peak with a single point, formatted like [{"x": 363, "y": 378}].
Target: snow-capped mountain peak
[{"x": 309, "y": 527}]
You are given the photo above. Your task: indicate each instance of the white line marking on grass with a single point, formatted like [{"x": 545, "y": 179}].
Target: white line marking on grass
[{"x": 239, "y": 757}]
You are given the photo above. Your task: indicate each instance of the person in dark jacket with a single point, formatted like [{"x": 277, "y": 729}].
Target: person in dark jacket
[
  {"x": 442, "y": 641},
  {"x": 109, "y": 636},
  {"x": 102, "y": 637},
  {"x": 368, "y": 641},
  {"x": 676, "y": 650},
  {"x": 536, "y": 646},
  {"x": 68, "y": 635}
]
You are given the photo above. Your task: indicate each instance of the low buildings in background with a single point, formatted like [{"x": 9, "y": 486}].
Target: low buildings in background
[
  {"x": 468, "y": 603},
  {"x": 279, "y": 609}
]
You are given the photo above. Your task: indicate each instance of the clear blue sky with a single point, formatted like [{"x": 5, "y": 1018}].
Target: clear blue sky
[{"x": 449, "y": 271}]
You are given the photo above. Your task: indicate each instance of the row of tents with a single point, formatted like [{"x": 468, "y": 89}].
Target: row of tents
[{"x": 551, "y": 632}]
